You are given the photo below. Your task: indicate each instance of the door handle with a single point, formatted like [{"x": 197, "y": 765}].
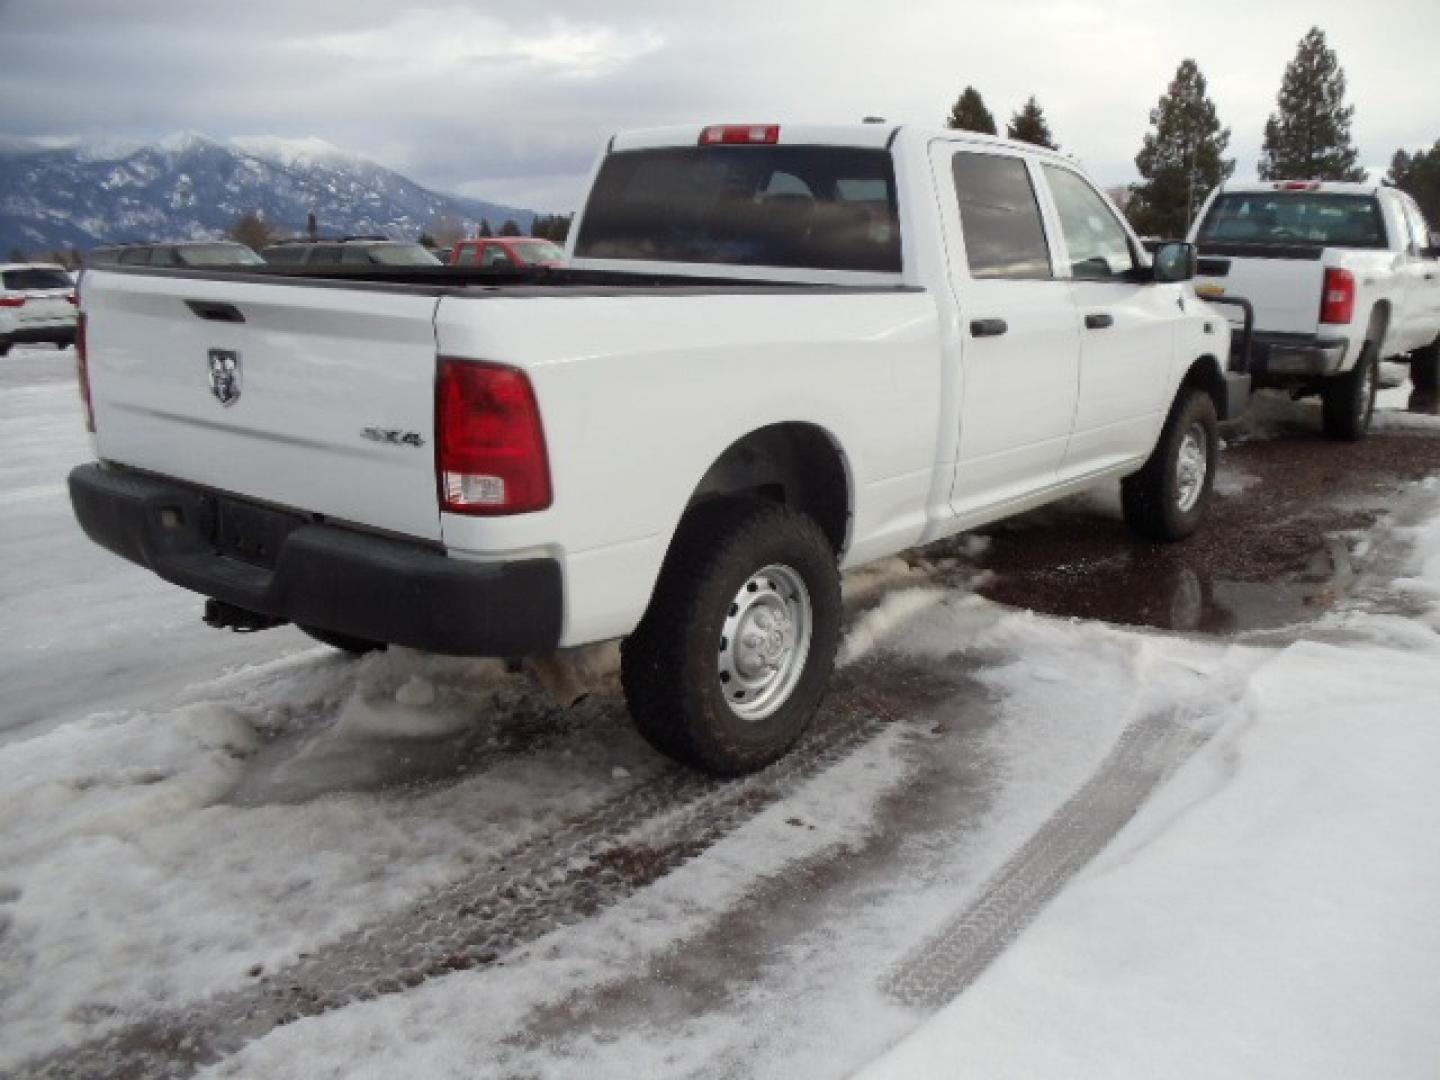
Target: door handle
[
  {"x": 1099, "y": 320},
  {"x": 987, "y": 327},
  {"x": 1429, "y": 277}
]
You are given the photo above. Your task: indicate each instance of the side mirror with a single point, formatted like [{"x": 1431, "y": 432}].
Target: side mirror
[{"x": 1174, "y": 261}]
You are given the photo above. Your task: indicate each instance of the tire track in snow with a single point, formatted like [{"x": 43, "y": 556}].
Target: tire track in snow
[
  {"x": 1147, "y": 752},
  {"x": 557, "y": 878}
]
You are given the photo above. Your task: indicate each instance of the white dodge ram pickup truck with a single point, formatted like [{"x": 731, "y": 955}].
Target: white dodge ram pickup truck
[
  {"x": 778, "y": 351},
  {"x": 1341, "y": 276}
]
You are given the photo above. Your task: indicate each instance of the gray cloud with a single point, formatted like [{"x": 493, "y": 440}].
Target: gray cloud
[{"x": 512, "y": 105}]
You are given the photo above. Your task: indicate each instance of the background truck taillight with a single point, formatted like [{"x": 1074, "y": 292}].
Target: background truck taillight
[
  {"x": 82, "y": 370},
  {"x": 1337, "y": 301},
  {"x": 490, "y": 445}
]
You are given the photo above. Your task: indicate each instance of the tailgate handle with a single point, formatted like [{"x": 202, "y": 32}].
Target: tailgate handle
[
  {"x": 215, "y": 310},
  {"x": 1099, "y": 320},
  {"x": 987, "y": 327}
]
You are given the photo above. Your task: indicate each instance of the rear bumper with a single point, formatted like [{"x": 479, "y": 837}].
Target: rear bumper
[
  {"x": 373, "y": 587},
  {"x": 1281, "y": 356},
  {"x": 59, "y": 334}
]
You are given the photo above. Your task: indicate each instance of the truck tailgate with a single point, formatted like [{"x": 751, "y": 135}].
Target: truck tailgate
[
  {"x": 1283, "y": 285},
  {"x": 312, "y": 397}
]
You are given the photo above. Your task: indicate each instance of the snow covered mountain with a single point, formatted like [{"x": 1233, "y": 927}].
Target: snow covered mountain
[{"x": 189, "y": 186}]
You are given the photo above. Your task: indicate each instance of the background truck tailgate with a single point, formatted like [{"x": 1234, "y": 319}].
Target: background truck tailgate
[{"x": 331, "y": 411}]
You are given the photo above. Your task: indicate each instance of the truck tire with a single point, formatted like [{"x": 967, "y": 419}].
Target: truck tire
[
  {"x": 1166, "y": 499},
  {"x": 1425, "y": 368},
  {"x": 344, "y": 642},
  {"x": 1348, "y": 400},
  {"x": 729, "y": 664}
]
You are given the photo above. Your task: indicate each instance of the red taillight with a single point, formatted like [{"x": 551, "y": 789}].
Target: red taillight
[
  {"x": 490, "y": 444},
  {"x": 82, "y": 369},
  {"x": 740, "y": 134},
  {"x": 73, "y": 299},
  {"x": 12, "y": 301},
  {"x": 1337, "y": 302}
]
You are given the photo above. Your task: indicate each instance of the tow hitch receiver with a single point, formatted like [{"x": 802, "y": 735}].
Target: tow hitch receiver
[{"x": 225, "y": 616}]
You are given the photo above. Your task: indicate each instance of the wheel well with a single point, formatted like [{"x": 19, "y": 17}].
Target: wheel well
[
  {"x": 1204, "y": 374},
  {"x": 796, "y": 464}
]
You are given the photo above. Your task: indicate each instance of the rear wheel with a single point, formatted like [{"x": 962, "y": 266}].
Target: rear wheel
[
  {"x": 353, "y": 645},
  {"x": 730, "y": 662},
  {"x": 1348, "y": 400},
  {"x": 1166, "y": 499}
]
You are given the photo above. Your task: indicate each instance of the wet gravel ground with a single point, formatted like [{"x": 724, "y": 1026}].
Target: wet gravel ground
[
  {"x": 1273, "y": 549},
  {"x": 1281, "y": 545}
]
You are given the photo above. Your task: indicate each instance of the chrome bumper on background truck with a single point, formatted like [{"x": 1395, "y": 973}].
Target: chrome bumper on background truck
[
  {"x": 1296, "y": 355},
  {"x": 290, "y": 568}
]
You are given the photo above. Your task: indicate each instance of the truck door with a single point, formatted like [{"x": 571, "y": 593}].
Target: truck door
[
  {"x": 1421, "y": 306},
  {"x": 1019, "y": 352},
  {"x": 1126, "y": 325}
]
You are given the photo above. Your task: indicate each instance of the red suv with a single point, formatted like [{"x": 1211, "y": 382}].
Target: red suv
[{"x": 507, "y": 253}]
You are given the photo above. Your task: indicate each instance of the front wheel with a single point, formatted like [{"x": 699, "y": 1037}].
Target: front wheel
[
  {"x": 1425, "y": 368},
  {"x": 1348, "y": 401},
  {"x": 1166, "y": 499},
  {"x": 729, "y": 664}
]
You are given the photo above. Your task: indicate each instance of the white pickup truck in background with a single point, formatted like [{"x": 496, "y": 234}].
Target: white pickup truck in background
[
  {"x": 777, "y": 352},
  {"x": 1341, "y": 276}
]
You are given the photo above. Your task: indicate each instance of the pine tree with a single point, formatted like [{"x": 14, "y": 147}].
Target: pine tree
[
  {"x": 970, "y": 114},
  {"x": 1308, "y": 136},
  {"x": 1182, "y": 158},
  {"x": 485, "y": 229},
  {"x": 1028, "y": 125},
  {"x": 1419, "y": 174},
  {"x": 510, "y": 228}
]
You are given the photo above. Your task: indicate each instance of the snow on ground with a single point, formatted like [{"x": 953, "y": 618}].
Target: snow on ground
[
  {"x": 1271, "y": 913},
  {"x": 183, "y": 808}
]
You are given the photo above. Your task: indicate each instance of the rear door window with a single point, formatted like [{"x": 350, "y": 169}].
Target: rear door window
[
  {"x": 812, "y": 207},
  {"x": 1000, "y": 217}
]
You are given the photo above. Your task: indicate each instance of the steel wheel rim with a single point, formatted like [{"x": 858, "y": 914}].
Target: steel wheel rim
[
  {"x": 1190, "y": 467},
  {"x": 764, "y": 642}
]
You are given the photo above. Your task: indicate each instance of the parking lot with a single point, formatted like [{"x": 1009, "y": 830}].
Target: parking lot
[{"x": 250, "y": 853}]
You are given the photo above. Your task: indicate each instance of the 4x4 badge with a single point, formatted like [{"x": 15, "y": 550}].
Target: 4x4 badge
[{"x": 225, "y": 375}]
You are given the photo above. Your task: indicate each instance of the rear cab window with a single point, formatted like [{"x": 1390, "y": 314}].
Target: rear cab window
[
  {"x": 35, "y": 279},
  {"x": 802, "y": 207},
  {"x": 1285, "y": 218}
]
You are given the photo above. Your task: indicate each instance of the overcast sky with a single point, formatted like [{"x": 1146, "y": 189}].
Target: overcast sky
[{"x": 511, "y": 101}]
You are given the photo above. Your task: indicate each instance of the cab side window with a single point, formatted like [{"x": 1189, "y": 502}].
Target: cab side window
[
  {"x": 1415, "y": 223},
  {"x": 1000, "y": 217},
  {"x": 1099, "y": 246}
]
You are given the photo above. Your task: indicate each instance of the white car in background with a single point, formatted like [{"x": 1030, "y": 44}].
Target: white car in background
[{"x": 37, "y": 304}]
